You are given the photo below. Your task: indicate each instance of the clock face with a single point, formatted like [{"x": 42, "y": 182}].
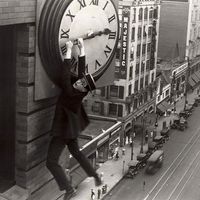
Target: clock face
[
  {"x": 82, "y": 17},
  {"x": 65, "y": 20}
]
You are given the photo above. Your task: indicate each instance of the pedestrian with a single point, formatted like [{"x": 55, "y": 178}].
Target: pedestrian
[
  {"x": 99, "y": 194},
  {"x": 69, "y": 120},
  {"x": 106, "y": 187},
  {"x": 144, "y": 183},
  {"x": 146, "y": 137},
  {"x": 117, "y": 155},
  {"x": 103, "y": 189},
  {"x": 123, "y": 151},
  {"x": 92, "y": 194}
]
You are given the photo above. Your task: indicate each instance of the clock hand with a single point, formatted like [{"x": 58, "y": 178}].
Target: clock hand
[{"x": 106, "y": 31}]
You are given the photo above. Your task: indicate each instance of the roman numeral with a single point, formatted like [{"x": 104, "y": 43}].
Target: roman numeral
[
  {"x": 107, "y": 51},
  {"x": 95, "y": 2},
  {"x": 97, "y": 64},
  {"x": 74, "y": 64},
  {"x": 82, "y": 3},
  {"x": 64, "y": 34},
  {"x": 105, "y": 5},
  {"x": 70, "y": 15},
  {"x": 63, "y": 49},
  {"x": 111, "y": 18},
  {"x": 112, "y": 35}
]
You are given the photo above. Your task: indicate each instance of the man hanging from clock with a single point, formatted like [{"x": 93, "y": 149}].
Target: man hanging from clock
[{"x": 70, "y": 119}]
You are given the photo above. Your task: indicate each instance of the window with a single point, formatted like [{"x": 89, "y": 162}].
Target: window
[
  {"x": 113, "y": 91},
  {"x": 138, "y": 49},
  {"x": 144, "y": 32},
  {"x": 145, "y": 13},
  {"x": 137, "y": 70},
  {"x": 133, "y": 34},
  {"x": 136, "y": 86},
  {"x": 117, "y": 91},
  {"x": 143, "y": 48},
  {"x": 112, "y": 109},
  {"x": 103, "y": 91},
  {"x": 131, "y": 73},
  {"x": 96, "y": 107},
  {"x": 118, "y": 53},
  {"x": 142, "y": 67},
  {"x": 132, "y": 55},
  {"x": 129, "y": 89},
  {"x": 139, "y": 32},
  {"x": 148, "y": 65},
  {"x": 146, "y": 80},
  {"x": 134, "y": 15},
  {"x": 148, "y": 47},
  {"x": 135, "y": 103},
  {"x": 141, "y": 82},
  {"x": 115, "y": 110},
  {"x": 150, "y": 14},
  {"x": 150, "y": 31},
  {"x": 140, "y": 14},
  {"x": 167, "y": 93},
  {"x": 152, "y": 77}
]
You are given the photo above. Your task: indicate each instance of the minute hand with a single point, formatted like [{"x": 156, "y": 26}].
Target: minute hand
[{"x": 106, "y": 31}]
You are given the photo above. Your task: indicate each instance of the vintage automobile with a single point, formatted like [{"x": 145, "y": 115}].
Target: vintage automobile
[
  {"x": 180, "y": 124},
  {"x": 159, "y": 140},
  {"x": 133, "y": 167},
  {"x": 142, "y": 158},
  {"x": 165, "y": 133},
  {"x": 185, "y": 114},
  {"x": 155, "y": 162}
]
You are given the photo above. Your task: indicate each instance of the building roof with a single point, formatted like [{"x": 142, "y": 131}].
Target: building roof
[{"x": 94, "y": 129}]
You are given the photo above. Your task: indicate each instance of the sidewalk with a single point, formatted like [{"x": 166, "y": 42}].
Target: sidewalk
[{"x": 114, "y": 170}]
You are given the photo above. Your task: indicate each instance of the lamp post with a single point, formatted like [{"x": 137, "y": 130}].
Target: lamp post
[
  {"x": 173, "y": 90},
  {"x": 142, "y": 139},
  {"x": 132, "y": 137}
]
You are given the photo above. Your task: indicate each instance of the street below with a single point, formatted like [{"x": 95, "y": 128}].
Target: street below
[{"x": 179, "y": 177}]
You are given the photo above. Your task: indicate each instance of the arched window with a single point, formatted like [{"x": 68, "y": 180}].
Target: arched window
[
  {"x": 140, "y": 13},
  {"x": 145, "y": 13}
]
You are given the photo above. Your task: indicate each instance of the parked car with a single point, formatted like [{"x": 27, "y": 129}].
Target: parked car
[
  {"x": 185, "y": 114},
  {"x": 133, "y": 167},
  {"x": 155, "y": 162},
  {"x": 165, "y": 133},
  {"x": 142, "y": 158},
  {"x": 180, "y": 124},
  {"x": 159, "y": 140}
]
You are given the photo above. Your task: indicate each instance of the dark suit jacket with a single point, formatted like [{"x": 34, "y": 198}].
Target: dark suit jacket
[{"x": 70, "y": 117}]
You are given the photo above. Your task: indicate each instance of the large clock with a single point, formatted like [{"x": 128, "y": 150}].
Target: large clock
[{"x": 96, "y": 21}]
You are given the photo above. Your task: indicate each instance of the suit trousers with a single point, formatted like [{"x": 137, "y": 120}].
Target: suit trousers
[{"x": 56, "y": 148}]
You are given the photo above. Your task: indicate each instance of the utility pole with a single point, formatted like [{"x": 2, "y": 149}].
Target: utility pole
[
  {"x": 142, "y": 139},
  {"x": 132, "y": 137},
  {"x": 186, "y": 81},
  {"x": 173, "y": 90}
]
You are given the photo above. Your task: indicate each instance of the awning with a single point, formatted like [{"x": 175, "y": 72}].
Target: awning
[
  {"x": 195, "y": 78},
  {"x": 191, "y": 82}
]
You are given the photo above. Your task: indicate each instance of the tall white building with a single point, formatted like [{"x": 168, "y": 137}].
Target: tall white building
[{"x": 133, "y": 91}]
